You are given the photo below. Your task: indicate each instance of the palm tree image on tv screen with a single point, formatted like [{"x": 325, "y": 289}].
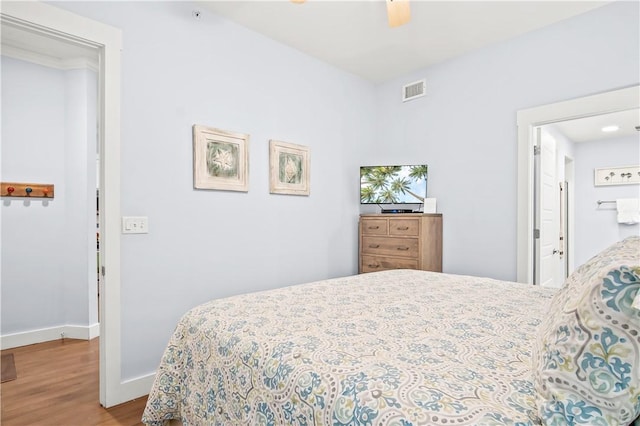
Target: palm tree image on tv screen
[{"x": 393, "y": 184}]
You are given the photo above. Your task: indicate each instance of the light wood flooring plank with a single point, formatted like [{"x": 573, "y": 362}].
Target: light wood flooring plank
[{"x": 57, "y": 384}]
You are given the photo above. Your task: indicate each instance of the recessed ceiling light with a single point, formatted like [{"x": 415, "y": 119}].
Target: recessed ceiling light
[{"x": 610, "y": 129}]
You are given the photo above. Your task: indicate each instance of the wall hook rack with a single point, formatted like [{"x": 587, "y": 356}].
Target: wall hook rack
[
  {"x": 626, "y": 175},
  {"x": 26, "y": 190}
]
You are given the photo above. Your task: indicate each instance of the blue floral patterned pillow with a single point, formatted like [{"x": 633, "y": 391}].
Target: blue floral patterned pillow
[{"x": 586, "y": 358}]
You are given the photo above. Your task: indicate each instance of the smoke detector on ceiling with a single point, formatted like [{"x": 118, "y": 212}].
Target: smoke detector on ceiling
[{"x": 414, "y": 90}]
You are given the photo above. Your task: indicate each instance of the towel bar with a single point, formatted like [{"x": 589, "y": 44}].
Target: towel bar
[{"x": 604, "y": 202}]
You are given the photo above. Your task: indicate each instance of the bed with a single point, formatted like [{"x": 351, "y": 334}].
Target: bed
[{"x": 400, "y": 347}]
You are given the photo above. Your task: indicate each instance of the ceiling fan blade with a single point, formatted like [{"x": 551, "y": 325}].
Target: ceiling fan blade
[{"x": 398, "y": 12}]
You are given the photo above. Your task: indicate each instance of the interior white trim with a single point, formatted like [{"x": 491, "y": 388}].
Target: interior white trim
[
  {"x": 31, "y": 337},
  {"x": 49, "y": 61},
  {"x": 58, "y": 23},
  {"x": 527, "y": 120},
  {"x": 135, "y": 388}
]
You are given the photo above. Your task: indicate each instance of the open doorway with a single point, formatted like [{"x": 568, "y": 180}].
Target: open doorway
[
  {"x": 553, "y": 217},
  {"x": 49, "y": 135},
  {"x": 583, "y": 144},
  {"x": 49, "y": 22},
  {"x": 50, "y": 87},
  {"x": 529, "y": 121}
]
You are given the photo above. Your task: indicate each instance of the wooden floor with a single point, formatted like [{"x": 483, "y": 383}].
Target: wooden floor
[{"x": 57, "y": 384}]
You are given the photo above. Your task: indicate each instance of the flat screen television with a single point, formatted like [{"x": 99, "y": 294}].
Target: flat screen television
[{"x": 405, "y": 184}]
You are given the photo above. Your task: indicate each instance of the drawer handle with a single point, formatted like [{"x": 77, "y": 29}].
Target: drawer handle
[
  {"x": 373, "y": 266},
  {"x": 374, "y": 245},
  {"x": 402, "y": 248},
  {"x": 402, "y": 228},
  {"x": 374, "y": 227}
]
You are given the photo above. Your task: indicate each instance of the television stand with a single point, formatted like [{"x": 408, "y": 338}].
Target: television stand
[{"x": 396, "y": 211}]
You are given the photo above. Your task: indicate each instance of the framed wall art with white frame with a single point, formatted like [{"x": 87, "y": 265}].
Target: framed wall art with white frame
[
  {"x": 288, "y": 168},
  {"x": 220, "y": 159}
]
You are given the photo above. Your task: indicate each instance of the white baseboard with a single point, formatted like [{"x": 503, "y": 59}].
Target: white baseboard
[
  {"x": 133, "y": 389},
  {"x": 31, "y": 337}
]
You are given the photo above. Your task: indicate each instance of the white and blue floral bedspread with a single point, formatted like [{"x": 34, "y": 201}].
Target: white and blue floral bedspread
[{"x": 399, "y": 347}]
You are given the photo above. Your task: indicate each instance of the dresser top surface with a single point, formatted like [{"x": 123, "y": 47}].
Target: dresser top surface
[{"x": 401, "y": 215}]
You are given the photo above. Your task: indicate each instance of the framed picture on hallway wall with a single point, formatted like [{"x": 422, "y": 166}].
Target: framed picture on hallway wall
[
  {"x": 288, "y": 168},
  {"x": 220, "y": 159}
]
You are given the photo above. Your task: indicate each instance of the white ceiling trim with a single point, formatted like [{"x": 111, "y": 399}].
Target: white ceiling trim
[{"x": 64, "y": 64}]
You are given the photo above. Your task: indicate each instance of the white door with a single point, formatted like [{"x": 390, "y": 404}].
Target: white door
[{"x": 547, "y": 213}]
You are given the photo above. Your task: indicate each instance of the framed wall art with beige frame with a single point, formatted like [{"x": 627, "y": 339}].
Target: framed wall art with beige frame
[
  {"x": 220, "y": 159},
  {"x": 288, "y": 168}
]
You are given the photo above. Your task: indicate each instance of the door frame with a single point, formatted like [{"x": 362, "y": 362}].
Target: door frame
[
  {"x": 61, "y": 24},
  {"x": 527, "y": 120}
]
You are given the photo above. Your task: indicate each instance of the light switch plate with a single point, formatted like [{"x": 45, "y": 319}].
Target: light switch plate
[{"x": 135, "y": 225}]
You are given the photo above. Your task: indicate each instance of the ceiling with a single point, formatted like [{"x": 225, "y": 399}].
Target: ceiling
[
  {"x": 590, "y": 128},
  {"x": 354, "y": 35}
]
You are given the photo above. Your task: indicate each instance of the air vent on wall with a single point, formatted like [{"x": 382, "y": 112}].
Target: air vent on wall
[{"x": 413, "y": 90}]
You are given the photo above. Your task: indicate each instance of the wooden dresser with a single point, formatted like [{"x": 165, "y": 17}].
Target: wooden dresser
[{"x": 400, "y": 241}]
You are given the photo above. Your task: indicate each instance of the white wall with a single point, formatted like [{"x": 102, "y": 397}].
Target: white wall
[
  {"x": 599, "y": 224},
  {"x": 33, "y": 135},
  {"x": 465, "y": 127},
  {"x": 177, "y": 72},
  {"x": 45, "y": 258},
  {"x": 80, "y": 189}
]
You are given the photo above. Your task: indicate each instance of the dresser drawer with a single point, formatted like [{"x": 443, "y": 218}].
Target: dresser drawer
[
  {"x": 400, "y": 241},
  {"x": 377, "y": 263},
  {"x": 375, "y": 227},
  {"x": 405, "y": 247},
  {"x": 405, "y": 227}
]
